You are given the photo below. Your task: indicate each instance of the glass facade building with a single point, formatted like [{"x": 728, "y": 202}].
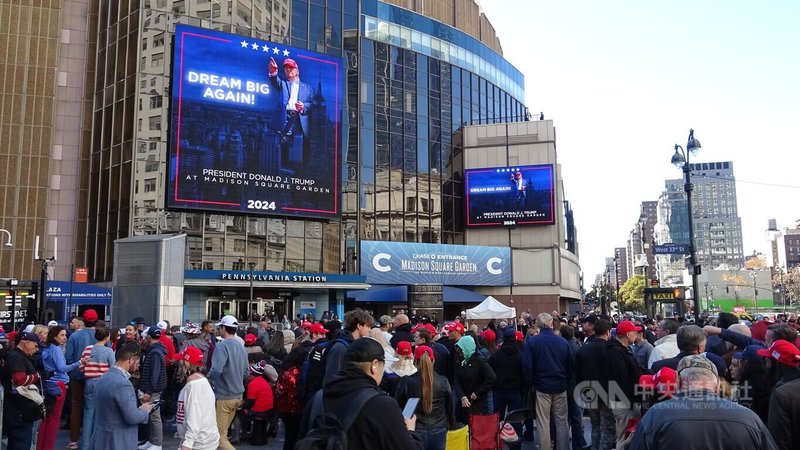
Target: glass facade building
[{"x": 411, "y": 83}]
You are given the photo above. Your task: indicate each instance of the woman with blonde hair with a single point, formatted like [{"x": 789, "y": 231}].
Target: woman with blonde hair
[
  {"x": 197, "y": 423},
  {"x": 435, "y": 409}
]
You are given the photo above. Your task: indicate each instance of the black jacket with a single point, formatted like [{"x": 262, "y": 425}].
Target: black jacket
[
  {"x": 442, "y": 411},
  {"x": 507, "y": 366},
  {"x": 380, "y": 423},
  {"x": 784, "y": 415},
  {"x": 622, "y": 369},
  {"x": 402, "y": 333},
  {"x": 700, "y": 420},
  {"x": 590, "y": 362},
  {"x": 672, "y": 363},
  {"x": 475, "y": 376}
]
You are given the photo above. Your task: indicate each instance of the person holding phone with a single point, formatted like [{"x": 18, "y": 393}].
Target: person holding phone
[
  {"x": 117, "y": 418},
  {"x": 431, "y": 394}
]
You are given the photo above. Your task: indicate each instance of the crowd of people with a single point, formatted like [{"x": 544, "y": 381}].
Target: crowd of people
[{"x": 653, "y": 383}]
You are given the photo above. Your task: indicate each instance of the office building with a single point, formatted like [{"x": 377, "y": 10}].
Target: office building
[
  {"x": 717, "y": 225},
  {"x": 102, "y": 73}
]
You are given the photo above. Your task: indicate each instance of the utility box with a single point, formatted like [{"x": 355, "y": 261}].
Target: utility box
[{"x": 148, "y": 278}]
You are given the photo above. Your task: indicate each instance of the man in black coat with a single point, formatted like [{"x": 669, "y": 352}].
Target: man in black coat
[
  {"x": 623, "y": 375},
  {"x": 402, "y": 330},
  {"x": 380, "y": 422},
  {"x": 591, "y": 379}
]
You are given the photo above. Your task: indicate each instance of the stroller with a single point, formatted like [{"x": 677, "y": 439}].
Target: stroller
[{"x": 486, "y": 431}]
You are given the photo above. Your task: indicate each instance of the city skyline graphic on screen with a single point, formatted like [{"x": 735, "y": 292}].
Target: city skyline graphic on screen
[{"x": 254, "y": 126}]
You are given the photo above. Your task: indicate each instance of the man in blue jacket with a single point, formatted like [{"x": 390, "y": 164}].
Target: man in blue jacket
[
  {"x": 547, "y": 365},
  {"x": 152, "y": 383}
]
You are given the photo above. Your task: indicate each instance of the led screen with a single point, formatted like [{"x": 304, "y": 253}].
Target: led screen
[
  {"x": 254, "y": 126},
  {"x": 509, "y": 196}
]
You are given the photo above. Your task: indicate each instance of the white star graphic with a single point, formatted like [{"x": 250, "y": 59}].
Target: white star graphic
[
  {"x": 275, "y": 50},
  {"x": 254, "y": 45},
  {"x": 244, "y": 44},
  {"x": 286, "y": 53},
  {"x": 265, "y": 47}
]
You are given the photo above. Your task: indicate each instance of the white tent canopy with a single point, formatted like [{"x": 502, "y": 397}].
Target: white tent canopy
[{"x": 491, "y": 308}]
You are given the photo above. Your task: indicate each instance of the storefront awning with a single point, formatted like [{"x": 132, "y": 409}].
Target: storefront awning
[{"x": 398, "y": 294}]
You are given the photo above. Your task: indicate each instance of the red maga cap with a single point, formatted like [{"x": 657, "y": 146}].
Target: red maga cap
[{"x": 289, "y": 62}]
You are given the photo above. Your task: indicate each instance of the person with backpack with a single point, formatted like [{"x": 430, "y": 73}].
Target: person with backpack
[
  {"x": 357, "y": 325},
  {"x": 287, "y": 400},
  {"x": 351, "y": 412}
]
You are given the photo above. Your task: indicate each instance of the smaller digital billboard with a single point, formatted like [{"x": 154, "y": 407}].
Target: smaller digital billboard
[
  {"x": 510, "y": 196},
  {"x": 254, "y": 126}
]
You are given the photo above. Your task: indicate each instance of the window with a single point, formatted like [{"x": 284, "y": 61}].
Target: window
[
  {"x": 157, "y": 60},
  {"x": 151, "y": 166},
  {"x": 150, "y": 185},
  {"x": 239, "y": 245},
  {"x": 237, "y": 265},
  {"x": 156, "y": 101},
  {"x": 411, "y": 204},
  {"x": 155, "y": 123}
]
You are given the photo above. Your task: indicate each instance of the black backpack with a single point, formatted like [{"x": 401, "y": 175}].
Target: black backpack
[
  {"x": 327, "y": 431},
  {"x": 312, "y": 373}
]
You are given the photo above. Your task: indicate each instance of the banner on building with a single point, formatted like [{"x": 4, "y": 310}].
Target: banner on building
[{"x": 417, "y": 263}]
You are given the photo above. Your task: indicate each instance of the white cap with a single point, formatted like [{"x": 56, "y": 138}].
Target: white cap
[
  {"x": 52, "y": 323},
  {"x": 29, "y": 329},
  {"x": 162, "y": 325},
  {"x": 144, "y": 332},
  {"x": 228, "y": 321}
]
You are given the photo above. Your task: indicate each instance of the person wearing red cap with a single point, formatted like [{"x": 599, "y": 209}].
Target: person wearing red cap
[
  {"x": 490, "y": 339},
  {"x": 435, "y": 412},
  {"x": 623, "y": 373},
  {"x": 195, "y": 420},
  {"x": 441, "y": 365},
  {"x": 784, "y": 403},
  {"x": 250, "y": 344},
  {"x": 696, "y": 417},
  {"x": 76, "y": 342},
  {"x": 296, "y": 98}
]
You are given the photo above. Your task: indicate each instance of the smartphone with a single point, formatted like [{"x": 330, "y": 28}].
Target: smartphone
[{"x": 411, "y": 406}]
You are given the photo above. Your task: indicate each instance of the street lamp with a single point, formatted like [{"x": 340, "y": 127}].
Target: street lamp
[
  {"x": 8, "y": 233},
  {"x": 681, "y": 160},
  {"x": 252, "y": 266}
]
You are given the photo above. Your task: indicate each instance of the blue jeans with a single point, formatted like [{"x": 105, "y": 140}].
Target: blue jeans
[
  {"x": 20, "y": 433},
  {"x": 507, "y": 400},
  {"x": 432, "y": 438},
  {"x": 88, "y": 414}
]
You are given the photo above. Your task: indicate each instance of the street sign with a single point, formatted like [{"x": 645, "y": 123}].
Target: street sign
[{"x": 671, "y": 249}]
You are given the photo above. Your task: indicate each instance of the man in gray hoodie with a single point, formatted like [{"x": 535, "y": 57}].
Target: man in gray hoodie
[{"x": 228, "y": 363}]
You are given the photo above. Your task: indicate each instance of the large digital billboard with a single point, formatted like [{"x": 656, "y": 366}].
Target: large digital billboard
[
  {"x": 254, "y": 126},
  {"x": 417, "y": 263},
  {"x": 509, "y": 196}
]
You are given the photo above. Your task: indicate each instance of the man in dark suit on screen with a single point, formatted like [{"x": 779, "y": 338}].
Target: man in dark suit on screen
[{"x": 295, "y": 99}]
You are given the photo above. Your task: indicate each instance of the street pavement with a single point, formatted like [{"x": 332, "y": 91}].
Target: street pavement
[{"x": 171, "y": 443}]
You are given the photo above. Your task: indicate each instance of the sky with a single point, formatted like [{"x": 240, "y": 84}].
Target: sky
[{"x": 624, "y": 81}]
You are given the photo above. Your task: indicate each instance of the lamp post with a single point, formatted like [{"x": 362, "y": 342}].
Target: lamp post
[
  {"x": 252, "y": 266},
  {"x": 8, "y": 243},
  {"x": 681, "y": 159},
  {"x": 754, "y": 274}
]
